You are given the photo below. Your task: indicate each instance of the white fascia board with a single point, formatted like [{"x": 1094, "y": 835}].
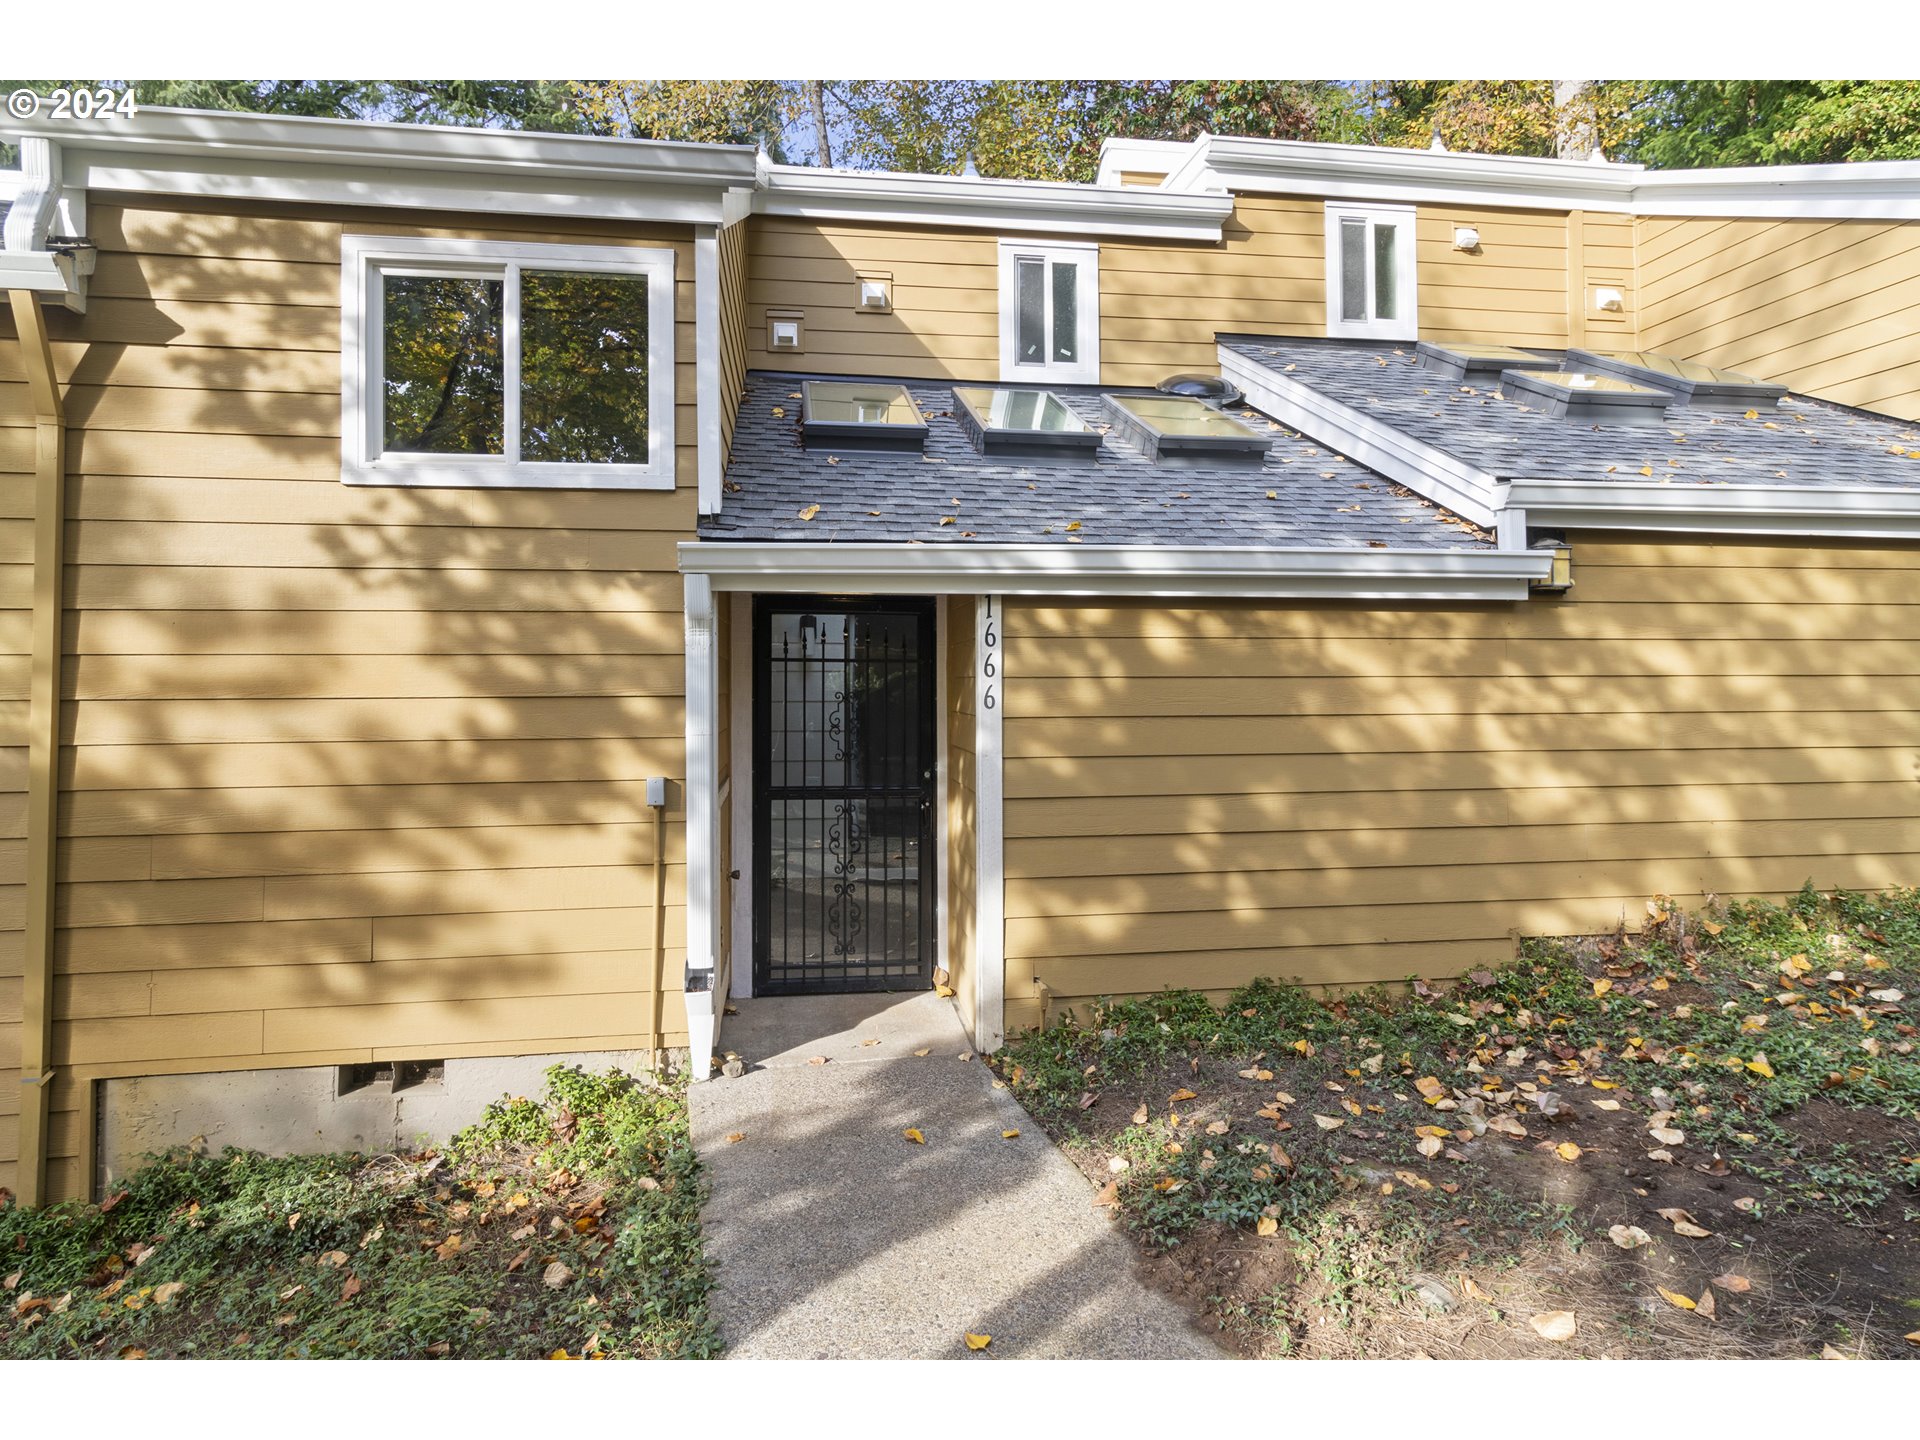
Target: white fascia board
[
  {"x": 1852, "y": 512},
  {"x": 1442, "y": 478},
  {"x": 1873, "y": 189},
  {"x": 1795, "y": 192},
  {"x": 523, "y": 192},
  {"x": 450, "y": 148},
  {"x": 1169, "y": 571},
  {"x": 702, "y": 803},
  {"x": 1032, "y": 207},
  {"x": 40, "y": 271},
  {"x": 1364, "y": 172}
]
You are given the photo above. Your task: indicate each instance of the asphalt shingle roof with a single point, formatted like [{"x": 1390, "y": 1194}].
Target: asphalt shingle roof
[
  {"x": 1801, "y": 441},
  {"x": 1318, "y": 499}
]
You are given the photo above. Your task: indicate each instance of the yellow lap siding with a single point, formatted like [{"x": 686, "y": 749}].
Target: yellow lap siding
[
  {"x": 392, "y": 743},
  {"x": 1200, "y": 794}
]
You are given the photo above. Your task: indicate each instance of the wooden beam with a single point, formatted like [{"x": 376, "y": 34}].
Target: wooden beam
[{"x": 43, "y": 717}]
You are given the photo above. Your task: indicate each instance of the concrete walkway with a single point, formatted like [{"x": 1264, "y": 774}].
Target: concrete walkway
[{"x": 834, "y": 1237}]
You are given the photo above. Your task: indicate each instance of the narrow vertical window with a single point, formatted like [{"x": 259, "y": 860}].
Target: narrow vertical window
[
  {"x": 1353, "y": 268},
  {"x": 1066, "y": 313},
  {"x": 1385, "y": 272},
  {"x": 1033, "y": 313}
]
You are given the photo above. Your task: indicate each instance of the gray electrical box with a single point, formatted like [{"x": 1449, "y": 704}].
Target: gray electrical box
[{"x": 657, "y": 791}]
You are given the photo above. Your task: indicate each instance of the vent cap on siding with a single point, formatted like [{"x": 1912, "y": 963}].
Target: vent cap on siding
[{"x": 1703, "y": 387}]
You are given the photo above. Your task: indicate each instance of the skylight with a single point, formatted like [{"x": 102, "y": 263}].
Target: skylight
[
  {"x": 1478, "y": 361},
  {"x": 857, "y": 415},
  {"x": 1035, "y": 424},
  {"x": 1176, "y": 429},
  {"x": 1587, "y": 397},
  {"x": 1701, "y": 386}
]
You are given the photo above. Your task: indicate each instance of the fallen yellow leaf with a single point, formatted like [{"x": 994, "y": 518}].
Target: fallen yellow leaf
[
  {"x": 945, "y": 992},
  {"x": 1567, "y": 1151},
  {"x": 1181, "y": 1094},
  {"x": 978, "y": 1342},
  {"x": 1760, "y": 1066},
  {"x": 1555, "y": 1325},
  {"x": 1267, "y": 1225},
  {"x": 809, "y": 512},
  {"x": 736, "y": 1137},
  {"x": 1683, "y": 1301},
  {"x": 1601, "y": 987},
  {"x": 1328, "y": 1122},
  {"x": 1217, "y": 1127},
  {"x": 1009, "y": 1134},
  {"x": 915, "y": 1136}
]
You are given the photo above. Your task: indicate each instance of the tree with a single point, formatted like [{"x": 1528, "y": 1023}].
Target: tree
[
  {"x": 727, "y": 112},
  {"x": 1775, "y": 122}
]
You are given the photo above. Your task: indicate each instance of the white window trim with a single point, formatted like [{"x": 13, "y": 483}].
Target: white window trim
[
  {"x": 1407, "y": 325},
  {"x": 363, "y": 258},
  {"x": 1086, "y": 256}
]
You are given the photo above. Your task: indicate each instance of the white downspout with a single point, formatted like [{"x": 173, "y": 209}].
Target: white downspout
[{"x": 702, "y": 802}]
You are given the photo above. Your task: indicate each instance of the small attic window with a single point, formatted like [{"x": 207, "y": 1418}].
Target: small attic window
[
  {"x": 1033, "y": 424},
  {"x": 857, "y": 415},
  {"x": 1479, "y": 362},
  {"x": 1586, "y": 398},
  {"x": 1180, "y": 430},
  {"x": 1702, "y": 387}
]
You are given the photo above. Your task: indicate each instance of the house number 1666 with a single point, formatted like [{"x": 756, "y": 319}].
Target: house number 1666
[{"x": 989, "y": 657}]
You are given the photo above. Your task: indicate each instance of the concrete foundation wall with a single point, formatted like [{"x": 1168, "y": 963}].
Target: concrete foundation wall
[{"x": 292, "y": 1112}]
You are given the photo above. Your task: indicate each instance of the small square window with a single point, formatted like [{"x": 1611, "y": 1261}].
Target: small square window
[
  {"x": 473, "y": 363},
  {"x": 1049, "y": 312},
  {"x": 1371, "y": 272}
]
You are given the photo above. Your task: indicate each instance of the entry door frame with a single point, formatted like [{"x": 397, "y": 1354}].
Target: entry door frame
[{"x": 751, "y": 880}]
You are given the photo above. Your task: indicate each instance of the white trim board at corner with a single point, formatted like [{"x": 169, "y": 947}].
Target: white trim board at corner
[
  {"x": 1253, "y": 572},
  {"x": 1857, "y": 512},
  {"x": 1442, "y": 478},
  {"x": 989, "y": 826},
  {"x": 1034, "y": 207}
]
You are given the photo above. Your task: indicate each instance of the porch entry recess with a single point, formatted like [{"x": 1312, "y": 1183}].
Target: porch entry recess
[{"x": 843, "y": 803}]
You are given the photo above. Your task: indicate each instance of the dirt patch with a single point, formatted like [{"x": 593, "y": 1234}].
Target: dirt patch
[{"x": 1601, "y": 1131}]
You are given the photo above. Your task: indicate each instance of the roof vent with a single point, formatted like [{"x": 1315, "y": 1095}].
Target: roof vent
[
  {"x": 856, "y": 415},
  {"x": 1478, "y": 362},
  {"x": 1024, "y": 424},
  {"x": 1587, "y": 399},
  {"x": 1183, "y": 430},
  {"x": 1700, "y": 386},
  {"x": 1214, "y": 389}
]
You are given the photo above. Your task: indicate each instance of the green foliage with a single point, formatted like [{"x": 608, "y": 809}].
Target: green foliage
[
  {"x": 343, "y": 1255},
  {"x": 1779, "y": 122}
]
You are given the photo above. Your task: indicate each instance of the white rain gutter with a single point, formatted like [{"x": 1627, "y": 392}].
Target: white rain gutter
[
  {"x": 1829, "y": 512},
  {"x": 1165, "y": 571}
]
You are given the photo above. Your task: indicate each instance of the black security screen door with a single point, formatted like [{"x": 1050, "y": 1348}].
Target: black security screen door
[{"x": 843, "y": 795}]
